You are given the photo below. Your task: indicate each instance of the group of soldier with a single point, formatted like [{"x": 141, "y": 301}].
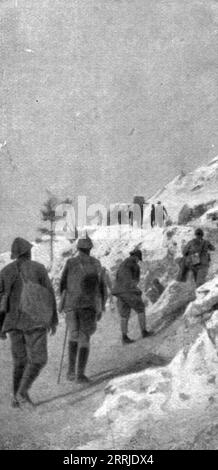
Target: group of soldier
[{"x": 84, "y": 289}]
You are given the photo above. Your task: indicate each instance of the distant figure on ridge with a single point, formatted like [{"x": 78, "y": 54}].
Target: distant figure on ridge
[
  {"x": 160, "y": 214},
  {"x": 152, "y": 215}
]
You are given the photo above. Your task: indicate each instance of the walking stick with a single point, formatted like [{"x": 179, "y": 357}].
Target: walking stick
[{"x": 62, "y": 356}]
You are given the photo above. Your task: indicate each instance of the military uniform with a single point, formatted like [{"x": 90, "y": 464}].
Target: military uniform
[
  {"x": 85, "y": 298},
  {"x": 128, "y": 294},
  {"x": 78, "y": 299},
  {"x": 200, "y": 270},
  {"x": 28, "y": 342}
]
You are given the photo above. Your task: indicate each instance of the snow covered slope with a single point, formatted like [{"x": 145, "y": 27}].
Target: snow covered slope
[
  {"x": 181, "y": 396},
  {"x": 197, "y": 187},
  {"x": 183, "y": 392}
]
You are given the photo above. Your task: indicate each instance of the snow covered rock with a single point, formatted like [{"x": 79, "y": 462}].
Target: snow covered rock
[
  {"x": 189, "y": 213},
  {"x": 175, "y": 297},
  {"x": 191, "y": 189},
  {"x": 212, "y": 328},
  {"x": 202, "y": 208},
  {"x": 201, "y": 309},
  {"x": 183, "y": 391},
  {"x": 185, "y": 215},
  {"x": 212, "y": 214}
]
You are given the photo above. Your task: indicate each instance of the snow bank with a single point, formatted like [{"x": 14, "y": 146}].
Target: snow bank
[
  {"x": 210, "y": 218},
  {"x": 202, "y": 308},
  {"x": 199, "y": 186},
  {"x": 186, "y": 385}
]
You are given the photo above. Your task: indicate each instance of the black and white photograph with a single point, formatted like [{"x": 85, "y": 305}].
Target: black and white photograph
[{"x": 108, "y": 229}]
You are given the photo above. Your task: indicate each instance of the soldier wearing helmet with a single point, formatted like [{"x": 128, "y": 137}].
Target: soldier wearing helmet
[
  {"x": 128, "y": 294},
  {"x": 85, "y": 297}
]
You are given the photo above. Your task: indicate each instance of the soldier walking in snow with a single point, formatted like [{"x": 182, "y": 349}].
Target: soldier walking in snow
[
  {"x": 85, "y": 299},
  {"x": 28, "y": 305},
  {"x": 196, "y": 258},
  {"x": 128, "y": 294}
]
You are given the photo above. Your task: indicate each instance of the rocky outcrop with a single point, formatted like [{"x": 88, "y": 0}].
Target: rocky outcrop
[
  {"x": 154, "y": 292},
  {"x": 212, "y": 214},
  {"x": 202, "y": 308},
  {"x": 175, "y": 297},
  {"x": 187, "y": 213}
]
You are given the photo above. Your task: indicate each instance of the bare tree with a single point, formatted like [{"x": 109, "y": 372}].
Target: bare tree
[{"x": 49, "y": 215}]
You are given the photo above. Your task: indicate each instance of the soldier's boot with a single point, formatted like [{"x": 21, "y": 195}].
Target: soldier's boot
[
  {"x": 30, "y": 374},
  {"x": 127, "y": 340},
  {"x": 144, "y": 332},
  {"x": 17, "y": 376},
  {"x": 124, "y": 329},
  {"x": 72, "y": 353},
  {"x": 82, "y": 362}
]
